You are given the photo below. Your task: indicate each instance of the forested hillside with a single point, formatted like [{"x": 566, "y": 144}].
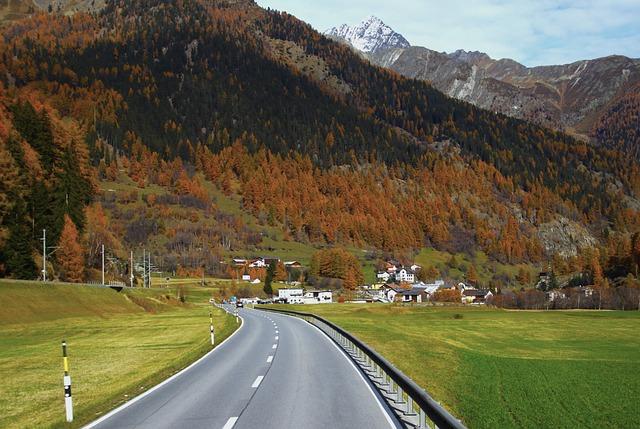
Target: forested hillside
[
  {"x": 619, "y": 127},
  {"x": 182, "y": 96}
]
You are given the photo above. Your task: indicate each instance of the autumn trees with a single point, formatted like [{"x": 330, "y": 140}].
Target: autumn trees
[
  {"x": 395, "y": 165},
  {"x": 337, "y": 263},
  {"x": 70, "y": 255}
]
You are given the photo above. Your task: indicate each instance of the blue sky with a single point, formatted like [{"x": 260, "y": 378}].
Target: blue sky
[{"x": 533, "y": 32}]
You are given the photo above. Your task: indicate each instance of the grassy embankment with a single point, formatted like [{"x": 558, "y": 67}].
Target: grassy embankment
[
  {"x": 120, "y": 344},
  {"x": 485, "y": 267},
  {"x": 510, "y": 369}
]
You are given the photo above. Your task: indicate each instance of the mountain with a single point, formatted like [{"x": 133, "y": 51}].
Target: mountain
[
  {"x": 151, "y": 116},
  {"x": 619, "y": 126},
  {"x": 12, "y": 10},
  {"x": 369, "y": 36},
  {"x": 568, "y": 97}
]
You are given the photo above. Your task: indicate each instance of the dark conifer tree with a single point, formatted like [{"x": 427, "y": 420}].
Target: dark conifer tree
[{"x": 17, "y": 255}]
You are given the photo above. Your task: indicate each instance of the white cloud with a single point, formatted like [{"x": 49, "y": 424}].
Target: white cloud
[{"x": 532, "y": 32}]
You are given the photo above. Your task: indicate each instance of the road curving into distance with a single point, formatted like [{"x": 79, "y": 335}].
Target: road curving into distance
[{"x": 276, "y": 371}]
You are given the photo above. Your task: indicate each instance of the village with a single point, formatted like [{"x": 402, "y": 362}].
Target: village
[{"x": 396, "y": 283}]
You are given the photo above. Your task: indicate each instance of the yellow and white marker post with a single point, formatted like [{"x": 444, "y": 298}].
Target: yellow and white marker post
[
  {"x": 68, "y": 401},
  {"x": 237, "y": 319},
  {"x": 211, "y": 328}
]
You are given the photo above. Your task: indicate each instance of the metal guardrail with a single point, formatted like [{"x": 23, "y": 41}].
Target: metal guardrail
[{"x": 402, "y": 393}]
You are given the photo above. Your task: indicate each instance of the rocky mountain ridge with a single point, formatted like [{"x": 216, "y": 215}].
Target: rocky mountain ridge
[
  {"x": 569, "y": 97},
  {"x": 370, "y": 36}
]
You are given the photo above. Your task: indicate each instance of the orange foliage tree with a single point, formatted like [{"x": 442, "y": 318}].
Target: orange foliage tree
[{"x": 70, "y": 255}]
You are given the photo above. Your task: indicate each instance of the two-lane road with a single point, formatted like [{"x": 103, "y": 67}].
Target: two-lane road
[{"x": 275, "y": 372}]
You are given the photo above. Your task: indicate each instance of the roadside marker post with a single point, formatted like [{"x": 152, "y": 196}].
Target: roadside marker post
[
  {"x": 211, "y": 328},
  {"x": 68, "y": 401},
  {"x": 237, "y": 320}
]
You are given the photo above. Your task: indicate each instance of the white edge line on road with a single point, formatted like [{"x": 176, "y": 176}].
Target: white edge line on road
[
  {"x": 230, "y": 423},
  {"x": 355, "y": 368},
  {"x": 162, "y": 383},
  {"x": 258, "y": 381},
  {"x": 269, "y": 359}
]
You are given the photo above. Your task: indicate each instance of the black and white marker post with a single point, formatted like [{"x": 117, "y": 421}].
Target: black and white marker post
[
  {"x": 211, "y": 327},
  {"x": 68, "y": 402},
  {"x": 237, "y": 320}
]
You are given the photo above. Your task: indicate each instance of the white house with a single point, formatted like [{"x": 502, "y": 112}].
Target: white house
[
  {"x": 391, "y": 267},
  {"x": 383, "y": 276},
  {"x": 429, "y": 288},
  {"x": 318, "y": 297},
  {"x": 415, "y": 267},
  {"x": 239, "y": 262},
  {"x": 404, "y": 275},
  {"x": 292, "y": 264},
  {"x": 291, "y": 296},
  {"x": 246, "y": 277},
  {"x": 388, "y": 293},
  {"x": 475, "y": 296},
  {"x": 462, "y": 287},
  {"x": 417, "y": 295},
  {"x": 257, "y": 263}
]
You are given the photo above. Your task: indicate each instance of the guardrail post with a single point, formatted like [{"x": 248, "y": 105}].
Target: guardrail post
[
  {"x": 68, "y": 401},
  {"x": 399, "y": 397},
  {"x": 422, "y": 420},
  {"x": 409, "y": 405}
]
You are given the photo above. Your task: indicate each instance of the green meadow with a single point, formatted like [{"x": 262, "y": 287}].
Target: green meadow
[
  {"x": 119, "y": 345},
  {"x": 510, "y": 369}
]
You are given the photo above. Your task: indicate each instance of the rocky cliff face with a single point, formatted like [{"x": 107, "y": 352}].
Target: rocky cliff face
[
  {"x": 565, "y": 237},
  {"x": 568, "y": 97}
]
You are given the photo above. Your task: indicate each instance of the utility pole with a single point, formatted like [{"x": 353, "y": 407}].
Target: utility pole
[
  {"x": 103, "y": 265},
  {"x": 44, "y": 255},
  {"x": 131, "y": 270},
  {"x": 144, "y": 268},
  {"x": 149, "y": 269}
]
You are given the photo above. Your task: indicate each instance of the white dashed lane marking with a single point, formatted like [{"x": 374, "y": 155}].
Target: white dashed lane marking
[
  {"x": 258, "y": 381},
  {"x": 269, "y": 359},
  {"x": 232, "y": 421}
]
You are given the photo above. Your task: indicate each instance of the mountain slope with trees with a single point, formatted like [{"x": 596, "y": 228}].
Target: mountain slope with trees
[{"x": 183, "y": 95}]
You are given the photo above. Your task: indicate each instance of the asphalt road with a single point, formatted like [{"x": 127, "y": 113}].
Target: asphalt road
[{"x": 276, "y": 371}]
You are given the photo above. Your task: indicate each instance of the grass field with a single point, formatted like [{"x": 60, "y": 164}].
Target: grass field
[
  {"x": 511, "y": 369},
  {"x": 120, "y": 344}
]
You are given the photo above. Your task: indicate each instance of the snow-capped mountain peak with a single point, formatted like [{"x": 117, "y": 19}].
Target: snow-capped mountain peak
[{"x": 369, "y": 36}]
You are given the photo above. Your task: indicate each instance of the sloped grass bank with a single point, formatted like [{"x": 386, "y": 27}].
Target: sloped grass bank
[{"x": 120, "y": 344}]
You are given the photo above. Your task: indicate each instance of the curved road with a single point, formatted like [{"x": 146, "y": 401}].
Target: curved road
[{"x": 276, "y": 371}]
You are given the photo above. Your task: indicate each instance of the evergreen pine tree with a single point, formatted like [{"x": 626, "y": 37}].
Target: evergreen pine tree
[
  {"x": 69, "y": 196},
  {"x": 269, "y": 279},
  {"x": 17, "y": 255}
]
